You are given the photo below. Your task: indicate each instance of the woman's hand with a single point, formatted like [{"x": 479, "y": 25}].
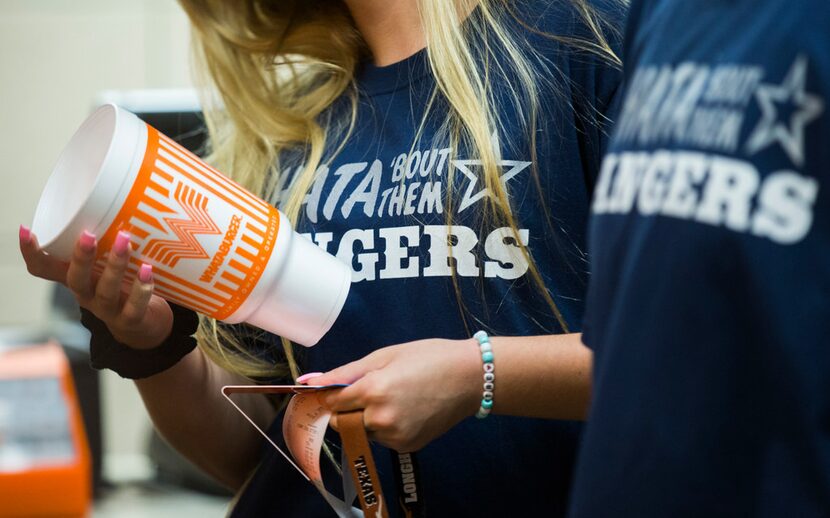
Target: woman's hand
[
  {"x": 410, "y": 393},
  {"x": 138, "y": 319}
]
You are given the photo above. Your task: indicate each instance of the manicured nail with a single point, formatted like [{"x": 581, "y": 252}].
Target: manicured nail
[
  {"x": 145, "y": 273},
  {"x": 122, "y": 242},
  {"x": 302, "y": 380},
  {"x": 87, "y": 241},
  {"x": 25, "y": 234}
]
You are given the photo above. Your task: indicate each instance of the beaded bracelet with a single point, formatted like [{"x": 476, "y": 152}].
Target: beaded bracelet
[{"x": 489, "y": 374}]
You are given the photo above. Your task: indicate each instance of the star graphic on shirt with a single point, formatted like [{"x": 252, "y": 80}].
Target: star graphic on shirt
[
  {"x": 510, "y": 168},
  {"x": 774, "y": 101}
]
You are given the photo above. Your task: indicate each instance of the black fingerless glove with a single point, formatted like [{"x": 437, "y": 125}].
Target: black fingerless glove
[{"x": 107, "y": 353}]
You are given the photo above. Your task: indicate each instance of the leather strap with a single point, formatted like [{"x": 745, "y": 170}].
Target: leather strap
[{"x": 362, "y": 464}]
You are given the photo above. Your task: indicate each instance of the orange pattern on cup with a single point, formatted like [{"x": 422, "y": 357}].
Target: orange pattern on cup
[
  {"x": 185, "y": 246},
  {"x": 169, "y": 207}
]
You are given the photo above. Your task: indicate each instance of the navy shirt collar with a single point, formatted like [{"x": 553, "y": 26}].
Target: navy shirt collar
[{"x": 374, "y": 80}]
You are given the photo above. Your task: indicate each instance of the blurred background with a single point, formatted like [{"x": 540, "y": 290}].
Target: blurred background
[{"x": 58, "y": 59}]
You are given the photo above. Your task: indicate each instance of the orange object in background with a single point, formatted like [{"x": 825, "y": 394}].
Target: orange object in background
[{"x": 45, "y": 467}]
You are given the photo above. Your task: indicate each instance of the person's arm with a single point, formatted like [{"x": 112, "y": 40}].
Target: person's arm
[
  {"x": 412, "y": 393},
  {"x": 542, "y": 376},
  {"x": 184, "y": 401},
  {"x": 188, "y": 410}
]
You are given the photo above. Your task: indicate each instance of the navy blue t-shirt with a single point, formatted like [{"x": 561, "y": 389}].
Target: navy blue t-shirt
[
  {"x": 380, "y": 205},
  {"x": 709, "y": 305}
]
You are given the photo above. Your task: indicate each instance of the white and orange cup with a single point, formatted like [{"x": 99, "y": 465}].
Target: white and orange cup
[{"x": 214, "y": 247}]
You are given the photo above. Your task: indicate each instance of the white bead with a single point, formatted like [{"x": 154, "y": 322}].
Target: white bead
[
  {"x": 480, "y": 335},
  {"x": 489, "y": 367},
  {"x": 489, "y": 386},
  {"x": 488, "y": 395},
  {"x": 489, "y": 377},
  {"x": 486, "y": 347}
]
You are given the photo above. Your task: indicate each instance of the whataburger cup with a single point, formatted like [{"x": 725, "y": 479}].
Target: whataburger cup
[{"x": 214, "y": 247}]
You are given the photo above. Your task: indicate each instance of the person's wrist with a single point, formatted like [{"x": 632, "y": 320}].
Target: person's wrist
[
  {"x": 143, "y": 341},
  {"x": 108, "y": 352}
]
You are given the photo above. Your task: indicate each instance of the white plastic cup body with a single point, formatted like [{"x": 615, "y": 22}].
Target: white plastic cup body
[
  {"x": 214, "y": 247},
  {"x": 296, "y": 293}
]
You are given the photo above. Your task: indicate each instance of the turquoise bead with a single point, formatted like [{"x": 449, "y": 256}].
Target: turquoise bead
[
  {"x": 487, "y": 404},
  {"x": 487, "y": 356}
]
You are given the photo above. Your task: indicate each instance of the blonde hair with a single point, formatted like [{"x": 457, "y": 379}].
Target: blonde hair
[{"x": 275, "y": 67}]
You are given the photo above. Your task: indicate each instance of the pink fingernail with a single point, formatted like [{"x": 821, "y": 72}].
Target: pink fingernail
[
  {"x": 25, "y": 234},
  {"x": 122, "y": 242},
  {"x": 87, "y": 241},
  {"x": 305, "y": 377},
  {"x": 145, "y": 273}
]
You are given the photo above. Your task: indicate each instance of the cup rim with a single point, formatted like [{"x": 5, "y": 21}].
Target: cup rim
[{"x": 52, "y": 236}]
